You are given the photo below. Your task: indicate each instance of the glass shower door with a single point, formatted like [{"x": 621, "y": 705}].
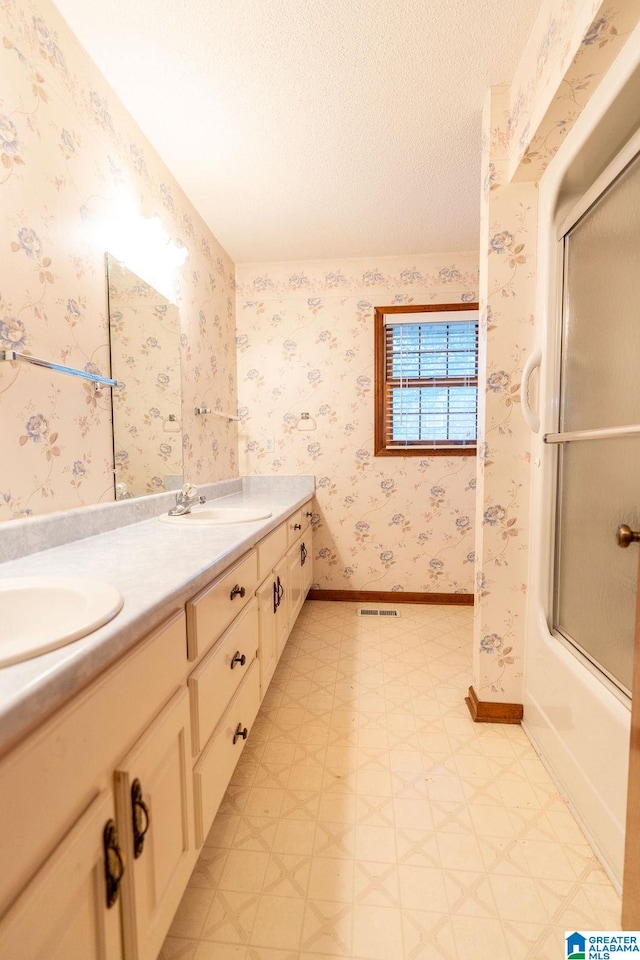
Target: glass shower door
[{"x": 599, "y": 438}]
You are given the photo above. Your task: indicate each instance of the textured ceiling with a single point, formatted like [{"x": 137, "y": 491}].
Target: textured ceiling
[{"x": 314, "y": 128}]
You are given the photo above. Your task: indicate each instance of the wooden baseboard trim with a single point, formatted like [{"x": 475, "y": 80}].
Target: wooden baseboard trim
[
  {"x": 391, "y": 596},
  {"x": 482, "y": 711}
]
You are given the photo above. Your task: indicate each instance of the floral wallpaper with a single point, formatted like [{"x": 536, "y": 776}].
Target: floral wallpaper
[
  {"x": 507, "y": 288},
  {"x": 570, "y": 49},
  {"x": 568, "y": 53},
  {"x": 69, "y": 156},
  {"x": 147, "y": 409},
  {"x": 305, "y": 346}
]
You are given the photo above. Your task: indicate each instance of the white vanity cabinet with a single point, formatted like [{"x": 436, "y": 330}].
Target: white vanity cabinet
[
  {"x": 63, "y": 913},
  {"x": 282, "y": 593},
  {"x": 299, "y": 562},
  {"x": 154, "y": 804},
  {"x": 103, "y": 807},
  {"x": 229, "y": 682},
  {"x": 128, "y": 725}
]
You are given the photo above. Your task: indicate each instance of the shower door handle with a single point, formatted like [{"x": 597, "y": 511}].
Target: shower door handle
[
  {"x": 625, "y": 535},
  {"x": 531, "y": 418}
]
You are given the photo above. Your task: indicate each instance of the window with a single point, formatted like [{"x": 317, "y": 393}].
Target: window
[{"x": 426, "y": 379}]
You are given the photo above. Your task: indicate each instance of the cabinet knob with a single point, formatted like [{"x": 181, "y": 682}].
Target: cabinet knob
[
  {"x": 113, "y": 862},
  {"x": 237, "y": 591},
  {"x": 625, "y": 535},
  {"x": 241, "y": 733},
  {"x": 297, "y": 526},
  {"x": 140, "y": 818},
  {"x": 238, "y": 659}
]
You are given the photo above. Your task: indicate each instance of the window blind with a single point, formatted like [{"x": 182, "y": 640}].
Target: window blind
[{"x": 431, "y": 380}]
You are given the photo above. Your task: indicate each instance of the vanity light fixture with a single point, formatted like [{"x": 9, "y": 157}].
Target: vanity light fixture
[{"x": 142, "y": 244}]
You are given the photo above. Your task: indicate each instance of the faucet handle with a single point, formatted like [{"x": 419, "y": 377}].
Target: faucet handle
[{"x": 189, "y": 490}]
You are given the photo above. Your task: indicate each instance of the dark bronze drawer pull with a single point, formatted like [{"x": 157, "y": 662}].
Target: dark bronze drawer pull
[
  {"x": 297, "y": 526},
  {"x": 113, "y": 862},
  {"x": 303, "y": 554},
  {"x": 276, "y": 598},
  {"x": 140, "y": 817},
  {"x": 238, "y": 659},
  {"x": 309, "y": 514},
  {"x": 237, "y": 591},
  {"x": 241, "y": 732}
]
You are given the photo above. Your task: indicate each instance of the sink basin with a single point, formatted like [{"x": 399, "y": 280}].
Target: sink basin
[
  {"x": 38, "y": 614},
  {"x": 218, "y": 515}
]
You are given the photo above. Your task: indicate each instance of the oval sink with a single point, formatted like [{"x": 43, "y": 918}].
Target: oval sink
[
  {"x": 218, "y": 515},
  {"x": 39, "y": 614}
]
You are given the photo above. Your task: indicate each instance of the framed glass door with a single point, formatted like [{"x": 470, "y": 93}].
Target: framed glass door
[{"x": 598, "y": 486}]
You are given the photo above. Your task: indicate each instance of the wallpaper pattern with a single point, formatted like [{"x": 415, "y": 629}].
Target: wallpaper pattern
[
  {"x": 147, "y": 408},
  {"x": 507, "y": 288},
  {"x": 569, "y": 51},
  {"x": 305, "y": 346},
  {"x": 69, "y": 155}
]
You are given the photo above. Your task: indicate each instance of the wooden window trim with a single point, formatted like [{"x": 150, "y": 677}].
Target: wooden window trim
[{"x": 416, "y": 449}]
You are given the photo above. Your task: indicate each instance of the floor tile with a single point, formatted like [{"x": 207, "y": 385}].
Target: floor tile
[{"x": 370, "y": 819}]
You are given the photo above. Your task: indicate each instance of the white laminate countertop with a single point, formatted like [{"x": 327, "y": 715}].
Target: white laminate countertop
[{"x": 156, "y": 567}]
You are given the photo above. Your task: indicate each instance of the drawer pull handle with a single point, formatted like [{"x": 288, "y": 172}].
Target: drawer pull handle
[
  {"x": 297, "y": 526},
  {"x": 113, "y": 862},
  {"x": 140, "y": 818},
  {"x": 303, "y": 554},
  {"x": 309, "y": 514},
  {"x": 238, "y": 659},
  {"x": 241, "y": 733},
  {"x": 276, "y": 599},
  {"x": 237, "y": 591},
  {"x": 280, "y": 592}
]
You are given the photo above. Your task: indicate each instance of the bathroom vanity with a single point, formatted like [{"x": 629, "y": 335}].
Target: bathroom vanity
[{"x": 117, "y": 753}]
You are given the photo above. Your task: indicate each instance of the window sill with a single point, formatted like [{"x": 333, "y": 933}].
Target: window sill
[{"x": 426, "y": 452}]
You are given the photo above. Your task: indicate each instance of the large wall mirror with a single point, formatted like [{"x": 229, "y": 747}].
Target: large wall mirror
[{"x": 147, "y": 403}]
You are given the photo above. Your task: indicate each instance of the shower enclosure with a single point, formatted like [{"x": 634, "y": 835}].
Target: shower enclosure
[
  {"x": 586, "y": 461},
  {"x": 599, "y": 430}
]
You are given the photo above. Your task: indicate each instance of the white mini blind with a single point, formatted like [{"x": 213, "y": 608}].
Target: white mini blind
[{"x": 431, "y": 379}]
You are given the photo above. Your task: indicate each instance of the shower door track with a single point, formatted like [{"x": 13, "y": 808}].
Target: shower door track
[{"x": 606, "y": 433}]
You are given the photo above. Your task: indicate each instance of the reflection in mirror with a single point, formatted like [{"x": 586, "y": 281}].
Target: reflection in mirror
[{"x": 147, "y": 404}]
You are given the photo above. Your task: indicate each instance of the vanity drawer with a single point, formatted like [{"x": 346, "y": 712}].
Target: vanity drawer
[
  {"x": 270, "y": 550},
  {"x": 214, "y": 682},
  {"x": 211, "y": 611},
  {"x": 213, "y": 771},
  {"x": 298, "y": 523}
]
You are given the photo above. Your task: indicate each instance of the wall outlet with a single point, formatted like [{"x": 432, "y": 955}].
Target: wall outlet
[{"x": 269, "y": 445}]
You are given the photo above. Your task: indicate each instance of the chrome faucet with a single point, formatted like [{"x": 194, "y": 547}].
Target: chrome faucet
[{"x": 185, "y": 499}]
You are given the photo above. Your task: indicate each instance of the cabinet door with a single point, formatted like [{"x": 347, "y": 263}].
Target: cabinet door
[
  {"x": 62, "y": 914},
  {"x": 294, "y": 581},
  {"x": 281, "y": 574},
  {"x": 154, "y": 802},
  {"x": 306, "y": 562},
  {"x": 267, "y": 596}
]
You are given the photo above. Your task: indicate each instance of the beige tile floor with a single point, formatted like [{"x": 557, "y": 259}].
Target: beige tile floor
[{"x": 370, "y": 819}]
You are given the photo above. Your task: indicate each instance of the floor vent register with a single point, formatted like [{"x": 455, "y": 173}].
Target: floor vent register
[{"x": 373, "y": 612}]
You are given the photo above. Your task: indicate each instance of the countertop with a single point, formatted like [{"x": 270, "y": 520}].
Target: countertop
[{"x": 156, "y": 567}]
